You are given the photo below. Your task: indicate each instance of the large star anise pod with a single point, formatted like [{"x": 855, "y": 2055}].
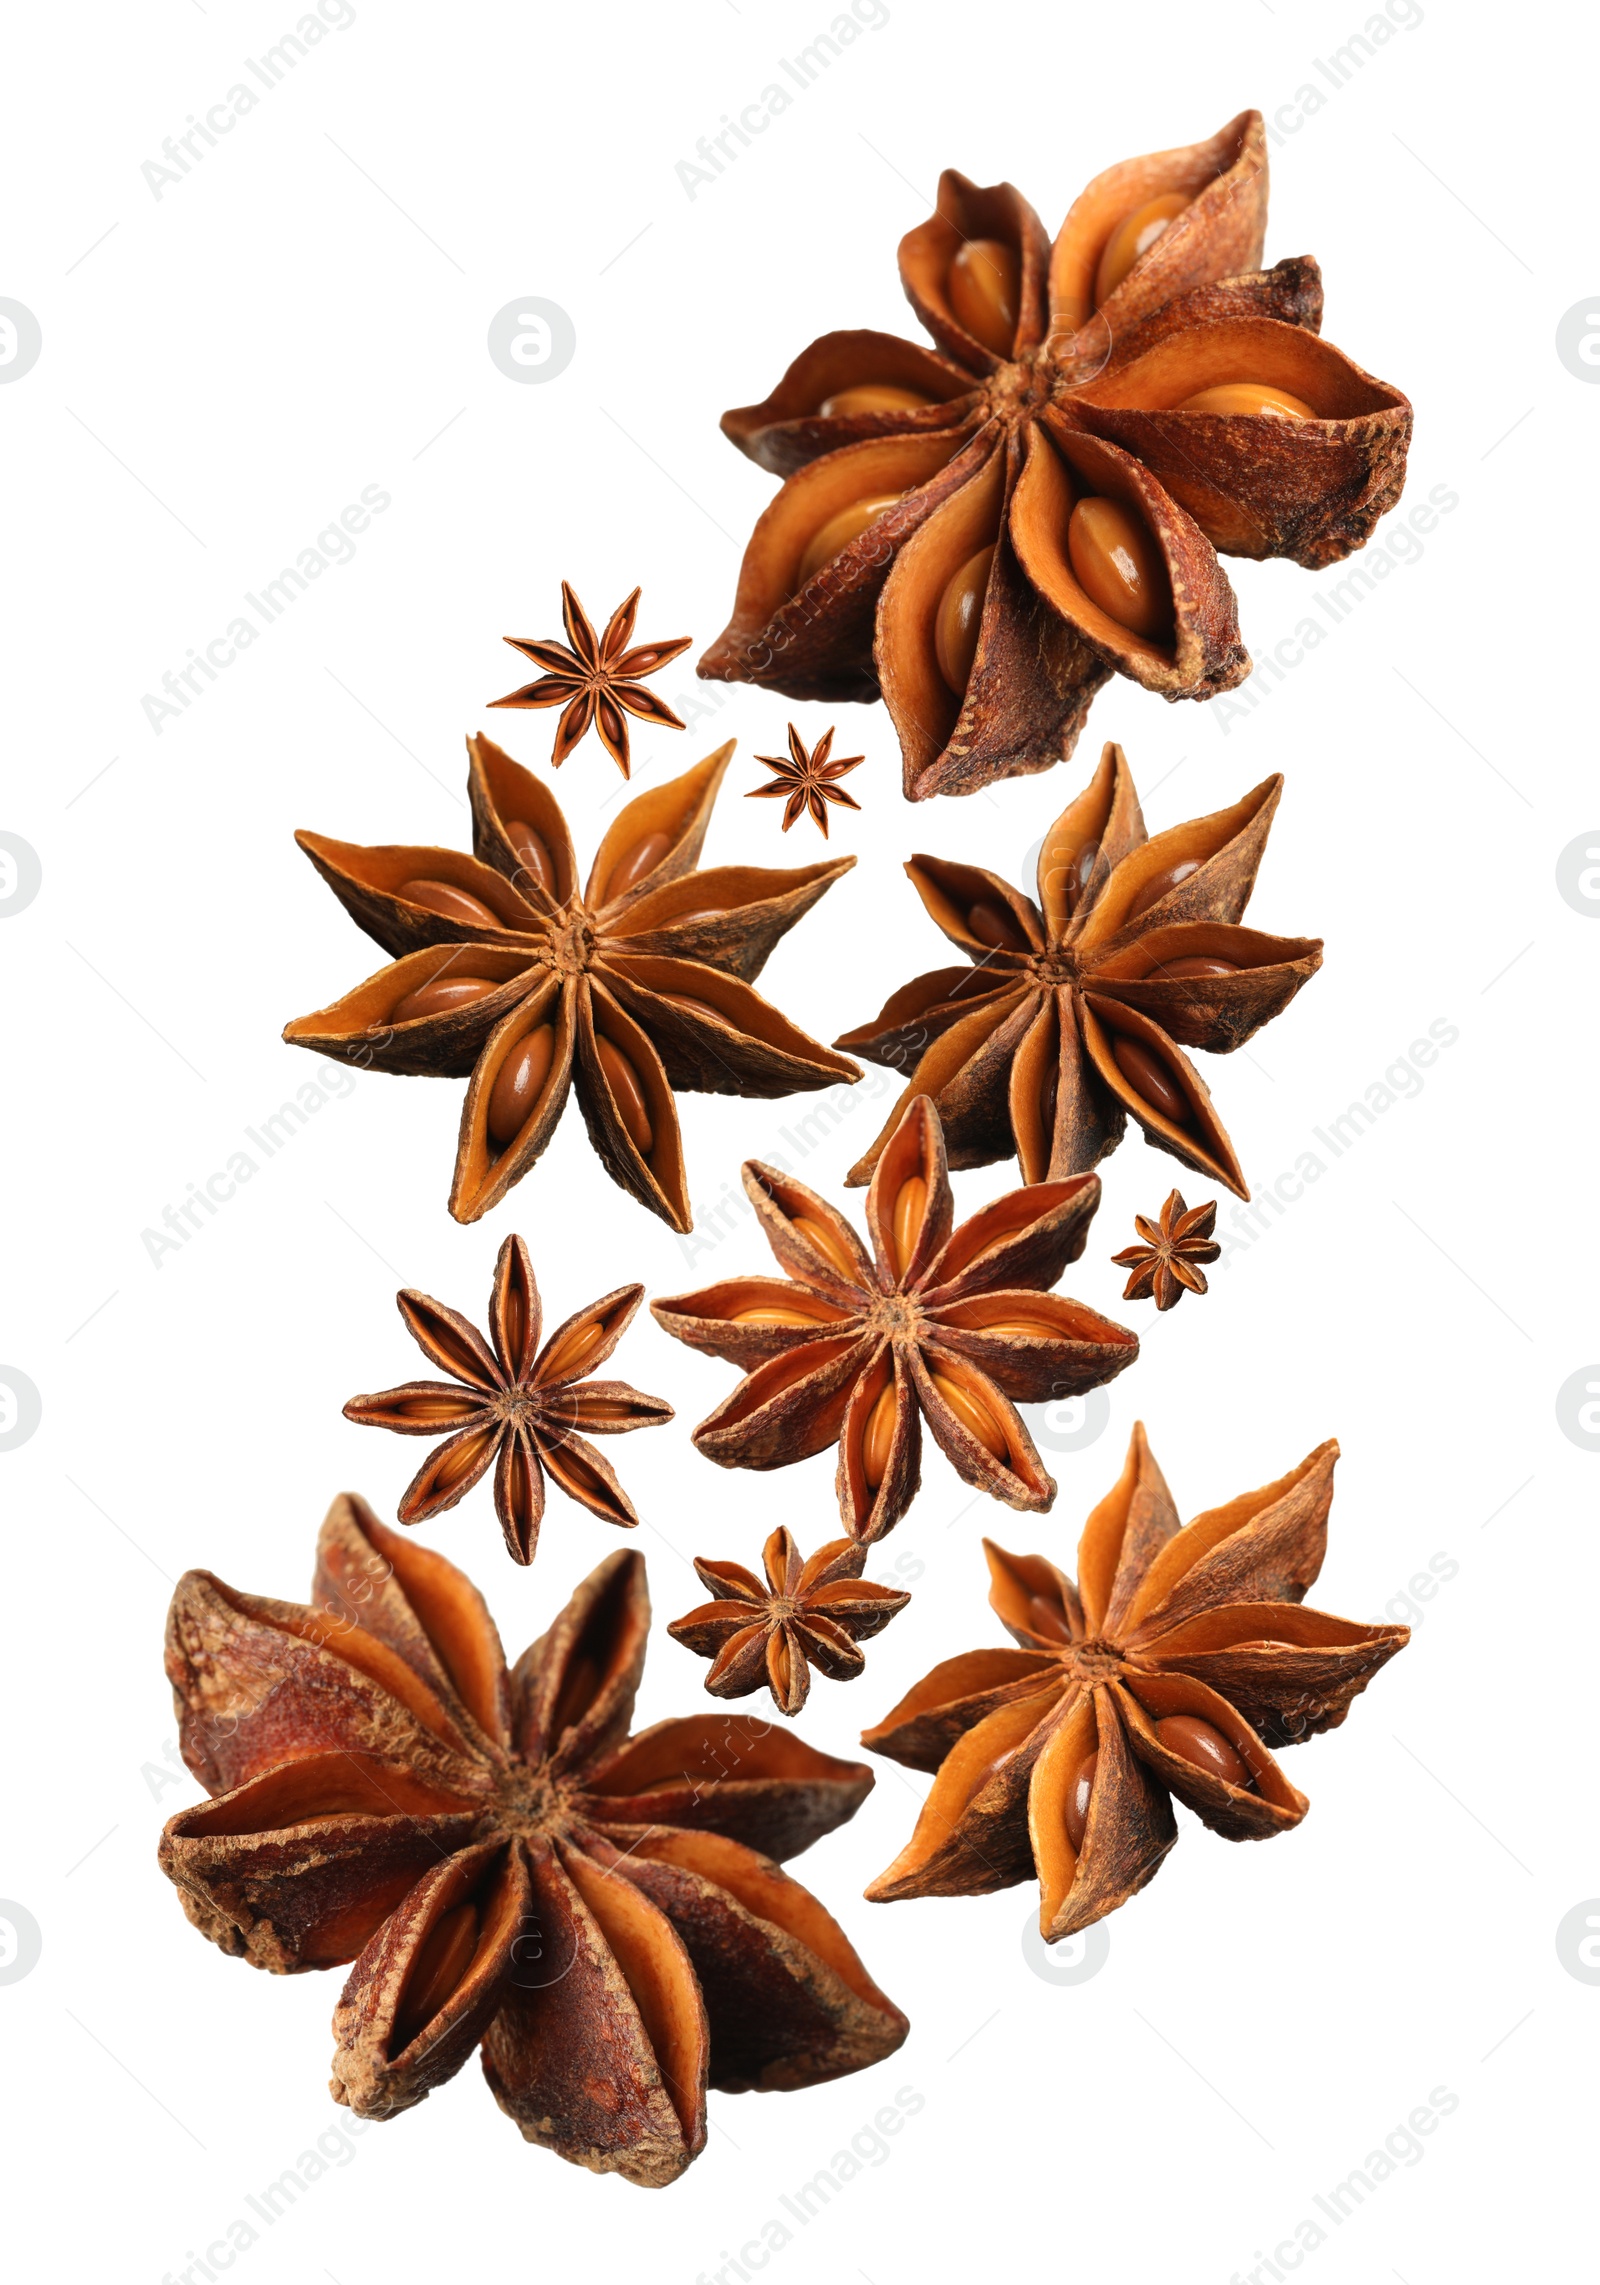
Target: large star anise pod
[
  {"x": 504, "y": 1865},
  {"x": 810, "y": 1612},
  {"x": 1076, "y": 1012},
  {"x": 1171, "y": 1668},
  {"x": 952, "y": 1326},
  {"x": 514, "y": 1406},
  {"x": 982, "y": 537},
  {"x": 630, "y": 987},
  {"x": 596, "y": 683}
]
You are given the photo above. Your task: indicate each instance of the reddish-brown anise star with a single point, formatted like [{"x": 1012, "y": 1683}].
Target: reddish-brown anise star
[
  {"x": 1167, "y": 1265},
  {"x": 812, "y": 1611},
  {"x": 596, "y": 683},
  {"x": 807, "y": 781}
]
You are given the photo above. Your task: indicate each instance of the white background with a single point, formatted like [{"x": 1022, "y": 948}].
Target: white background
[{"x": 304, "y": 314}]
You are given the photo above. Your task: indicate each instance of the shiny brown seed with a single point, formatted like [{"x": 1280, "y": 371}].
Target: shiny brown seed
[
  {"x": 1157, "y": 886},
  {"x": 1118, "y": 565},
  {"x": 823, "y": 1240},
  {"x": 1149, "y": 1079},
  {"x": 1258, "y": 397},
  {"x": 453, "y": 903},
  {"x": 533, "y": 851},
  {"x": 984, "y": 285},
  {"x": 1045, "y": 1619},
  {"x": 993, "y": 925},
  {"x": 1069, "y": 867},
  {"x": 879, "y": 1438},
  {"x": 692, "y": 1006},
  {"x": 461, "y": 1462},
  {"x": 974, "y": 1416},
  {"x": 442, "y": 997},
  {"x": 872, "y": 397},
  {"x": 840, "y": 529},
  {"x": 910, "y": 1205},
  {"x": 765, "y": 1316},
  {"x": 959, "y": 618},
  {"x": 632, "y": 866},
  {"x": 440, "y": 1408},
  {"x": 519, "y": 1083},
  {"x": 1178, "y": 971},
  {"x": 1030, "y": 1328},
  {"x": 572, "y": 1353},
  {"x": 1133, "y": 237},
  {"x": 627, "y": 1094},
  {"x": 1078, "y": 1802},
  {"x": 443, "y": 1958},
  {"x": 1204, "y": 1744}
]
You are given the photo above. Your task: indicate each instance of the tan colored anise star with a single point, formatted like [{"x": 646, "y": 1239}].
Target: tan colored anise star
[
  {"x": 499, "y": 1864},
  {"x": 955, "y": 1326},
  {"x": 810, "y": 1612},
  {"x": 596, "y": 682},
  {"x": 1169, "y": 1671},
  {"x": 1167, "y": 1265},
  {"x": 514, "y": 1406},
  {"x": 807, "y": 781}
]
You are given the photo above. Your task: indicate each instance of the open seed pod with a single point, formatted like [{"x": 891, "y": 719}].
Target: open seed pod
[{"x": 982, "y": 535}]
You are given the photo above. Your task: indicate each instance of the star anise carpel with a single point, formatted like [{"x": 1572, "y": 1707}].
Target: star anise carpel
[
  {"x": 1166, "y": 1264},
  {"x": 506, "y": 973},
  {"x": 982, "y": 533},
  {"x": 807, "y": 780},
  {"x": 1170, "y": 1671},
  {"x": 596, "y": 682},
  {"x": 1075, "y": 1012},
  {"x": 509, "y": 1404},
  {"x": 499, "y": 1863},
  {"x": 809, "y": 1611},
  {"x": 954, "y": 1326}
]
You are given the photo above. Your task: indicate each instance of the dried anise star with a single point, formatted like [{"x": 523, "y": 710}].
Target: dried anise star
[
  {"x": 981, "y": 537},
  {"x": 515, "y": 1406},
  {"x": 1077, "y": 1008},
  {"x": 1167, "y": 1265},
  {"x": 807, "y": 781},
  {"x": 811, "y": 1612},
  {"x": 595, "y": 683},
  {"x": 1175, "y": 1663},
  {"x": 504, "y": 1865},
  {"x": 952, "y": 1326},
  {"x": 636, "y": 984}
]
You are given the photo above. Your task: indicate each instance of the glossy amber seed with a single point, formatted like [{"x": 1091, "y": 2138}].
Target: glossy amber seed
[
  {"x": 1133, "y": 237},
  {"x": 452, "y": 903},
  {"x": 533, "y": 851},
  {"x": 570, "y": 1357},
  {"x": 840, "y": 529},
  {"x": 823, "y": 1241},
  {"x": 1117, "y": 563},
  {"x": 878, "y": 1441},
  {"x": 960, "y": 616},
  {"x": 519, "y": 1083},
  {"x": 769, "y": 1316},
  {"x": 1149, "y": 1079},
  {"x": 1198, "y": 964},
  {"x": 910, "y": 1205},
  {"x": 872, "y": 397},
  {"x": 1031, "y": 1328},
  {"x": 443, "y": 1958},
  {"x": 974, "y": 1416},
  {"x": 627, "y": 1093},
  {"x": 1159, "y": 883},
  {"x": 1204, "y": 1744},
  {"x": 632, "y": 866},
  {"x": 993, "y": 925},
  {"x": 441, "y": 997},
  {"x": 1077, "y": 1819},
  {"x": 984, "y": 285},
  {"x": 1248, "y": 397},
  {"x": 1070, "y": 869},
  {"x": 692, "y": 1006}
]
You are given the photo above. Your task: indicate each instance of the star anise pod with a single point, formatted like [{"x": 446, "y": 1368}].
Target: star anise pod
[
  {"x": 503, "y": 1864},
  {"x": 636, "y": 984},
  {"x": 514, "y": 1406},
  {"x": 810, "y": 1612},
  {"x": 981, "y": 537},
  {"x": 807, "y": 781},
  {"x": 952, "y": 1326},
  {"x": 595, "y": 683},
  {"x": 1167, "y": 1265},
  {"x": 1077, "y": 1009},
  {"x": 1171, "y": 1668}
]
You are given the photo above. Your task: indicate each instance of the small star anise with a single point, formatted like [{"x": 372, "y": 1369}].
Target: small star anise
[
  {"x": 515, "y": 1406},
  {"x": 811, "y": 1612},
  {"x": 1166, "y": 1266},
  {"x": 596, "y": 682},
  {"x": 807, "y": 781},
  {"x": 499, "y": 1864},
  {"x": 954, "y": 1326},
  {"x": 1172, "y": 1666}
]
